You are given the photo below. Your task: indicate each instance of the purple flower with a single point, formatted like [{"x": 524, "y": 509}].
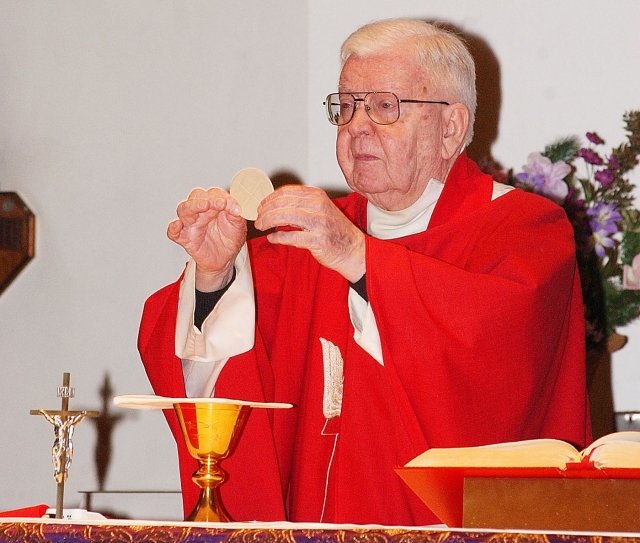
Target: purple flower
[
  {"x": 594, "y": 138},
  {"x": 546, "y": 178},
  {"x": 590, "y": 157},
  {"x": 613, "y": 162},
  {"x": 604, "y": 177},
  {"x": 601, "y": 242},
  {"x": 575, "y": 199},
  {"x": 605, "y": 213},
  {"x": 603, "y": 223},
  {"x": 604, "y": 218},
  {"x": 535, "y": 181}
]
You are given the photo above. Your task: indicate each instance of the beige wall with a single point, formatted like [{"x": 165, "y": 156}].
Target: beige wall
[{"x": 110, "y": 112}]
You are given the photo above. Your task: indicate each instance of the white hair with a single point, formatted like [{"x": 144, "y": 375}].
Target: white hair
[{"x": 443, "y": 55}]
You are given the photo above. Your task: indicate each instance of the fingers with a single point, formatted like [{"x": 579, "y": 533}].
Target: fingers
[
  {"x": 297, "y": 206},
  {"x": 340, "y": 247},
  {"x": 204, "y": 217},
  {"x": 210, "y": 202},
  {"x": 174, "y": 229},
  {"x": 282, "y": 196},
  {"x": 317, "y": 225}
]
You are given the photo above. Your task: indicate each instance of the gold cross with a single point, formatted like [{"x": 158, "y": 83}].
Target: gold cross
[{"x": 64, "y": 422}]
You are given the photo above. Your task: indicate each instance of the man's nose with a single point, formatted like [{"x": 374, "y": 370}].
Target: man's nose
[{"x": 360, "y": 121}]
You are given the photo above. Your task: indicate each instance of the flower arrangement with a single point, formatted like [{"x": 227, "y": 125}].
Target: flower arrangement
[{"x": 593, "y": 187}]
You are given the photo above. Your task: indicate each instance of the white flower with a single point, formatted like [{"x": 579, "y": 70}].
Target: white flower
[{"x": 631, "y": 275}]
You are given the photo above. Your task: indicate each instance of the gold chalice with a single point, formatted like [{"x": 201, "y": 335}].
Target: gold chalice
[{"x": 211, "y": 429}]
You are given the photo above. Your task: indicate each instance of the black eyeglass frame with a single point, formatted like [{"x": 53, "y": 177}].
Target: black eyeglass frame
[{"x": 327, "y": 103}]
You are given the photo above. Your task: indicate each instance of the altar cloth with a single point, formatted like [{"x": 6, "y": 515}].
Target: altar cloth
[{"x": 116, "y": 531}]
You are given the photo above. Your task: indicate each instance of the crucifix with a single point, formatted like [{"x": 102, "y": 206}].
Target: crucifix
[{"x": 64, "y": 422}]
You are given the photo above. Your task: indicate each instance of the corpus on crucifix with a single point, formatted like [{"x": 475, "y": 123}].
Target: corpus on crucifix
[{"x": 64, "y": 422}]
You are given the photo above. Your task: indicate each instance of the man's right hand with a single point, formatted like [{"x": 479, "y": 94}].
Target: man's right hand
[{"x": 211, "y": 230}]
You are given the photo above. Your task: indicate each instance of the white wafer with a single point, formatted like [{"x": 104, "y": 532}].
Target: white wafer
[
  {"x": 249, "y": 186},
  {"x": 142, "y": 401}
]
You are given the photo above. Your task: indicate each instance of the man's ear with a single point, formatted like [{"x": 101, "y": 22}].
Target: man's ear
[{"x": 455, "y": 120}]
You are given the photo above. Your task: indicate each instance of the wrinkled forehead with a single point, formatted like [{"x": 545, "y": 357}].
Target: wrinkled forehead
[{"x": 396, "y": 71}]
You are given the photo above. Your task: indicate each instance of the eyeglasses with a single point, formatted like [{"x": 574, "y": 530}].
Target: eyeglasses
[{"x": 382, "y": 107}]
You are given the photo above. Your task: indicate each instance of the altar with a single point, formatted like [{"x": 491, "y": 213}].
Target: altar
[{"x": 19, "y": 530}]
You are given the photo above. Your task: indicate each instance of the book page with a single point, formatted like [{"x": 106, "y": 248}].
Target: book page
[
  {"x": 531, "y": 453},
  {"x": 617, "y": 450}
]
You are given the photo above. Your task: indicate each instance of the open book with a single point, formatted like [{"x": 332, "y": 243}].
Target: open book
[
  {"x": 438, "y": 476},
  {"x": 617, "y": 450}
]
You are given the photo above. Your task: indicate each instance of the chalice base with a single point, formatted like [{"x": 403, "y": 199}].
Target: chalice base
[{"x": 209, "y": 508}]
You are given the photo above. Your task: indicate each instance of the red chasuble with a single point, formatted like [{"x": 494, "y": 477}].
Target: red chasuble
[{"x": 482, "y": 332}]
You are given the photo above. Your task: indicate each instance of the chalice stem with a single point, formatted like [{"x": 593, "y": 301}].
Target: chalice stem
[{"x": 209, "y": 508}]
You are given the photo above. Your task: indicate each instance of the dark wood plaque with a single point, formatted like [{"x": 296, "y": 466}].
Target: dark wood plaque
[{"x": 17, "y": 237}]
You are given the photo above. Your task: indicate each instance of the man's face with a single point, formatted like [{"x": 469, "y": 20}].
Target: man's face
[{"x": 391, "y": 164}]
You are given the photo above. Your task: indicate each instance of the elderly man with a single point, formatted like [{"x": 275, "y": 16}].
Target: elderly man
[{"x": 429, "y": 308}]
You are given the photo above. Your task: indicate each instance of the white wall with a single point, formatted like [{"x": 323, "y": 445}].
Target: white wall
[
  {"x": 564, "y": 68},
  {"x": 111, "y": 111}
]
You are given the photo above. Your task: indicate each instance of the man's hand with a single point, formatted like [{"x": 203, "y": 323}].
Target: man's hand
[
  {"x": 319, "y": 226},
  {"x": 211, "y": 230}
]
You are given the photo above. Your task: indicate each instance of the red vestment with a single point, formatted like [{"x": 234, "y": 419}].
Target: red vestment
[{"x": 482, "y": 331}]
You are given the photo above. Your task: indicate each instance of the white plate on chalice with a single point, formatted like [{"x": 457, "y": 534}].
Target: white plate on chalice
[{"x": 142, "y": 401}]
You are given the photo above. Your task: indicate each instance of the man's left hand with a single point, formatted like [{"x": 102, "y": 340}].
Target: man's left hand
[{"x": 318, "y": 226}]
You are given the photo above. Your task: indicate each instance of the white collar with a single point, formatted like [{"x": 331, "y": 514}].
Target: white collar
[{"x": 415, "y": 218}]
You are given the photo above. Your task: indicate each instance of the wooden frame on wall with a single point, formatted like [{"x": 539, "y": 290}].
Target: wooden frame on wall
[{"x": 17, "y": 237}]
